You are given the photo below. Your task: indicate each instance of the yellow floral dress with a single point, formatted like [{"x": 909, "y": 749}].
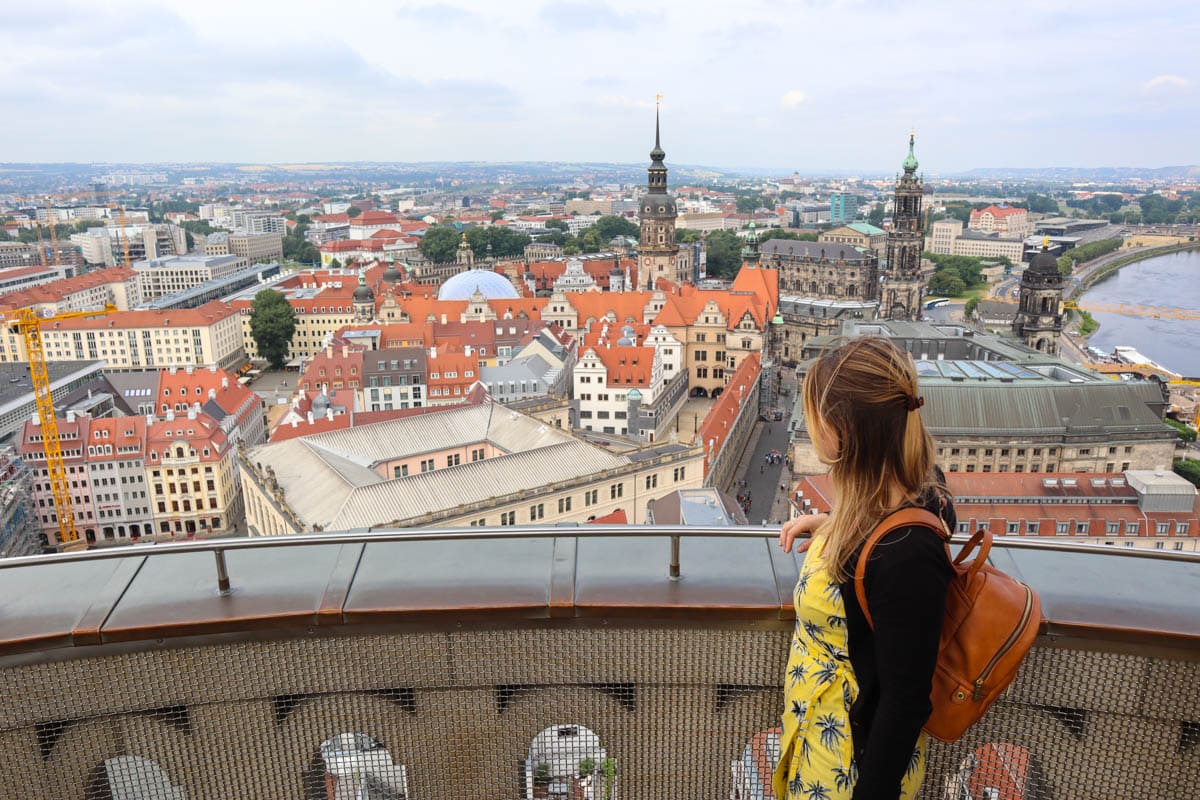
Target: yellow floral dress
[{"x": 816, "y": 754}]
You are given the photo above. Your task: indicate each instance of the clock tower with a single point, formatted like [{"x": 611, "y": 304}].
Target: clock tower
[
  {"x": 657, "y": 251},
  {"x": 903, "y": 286}
]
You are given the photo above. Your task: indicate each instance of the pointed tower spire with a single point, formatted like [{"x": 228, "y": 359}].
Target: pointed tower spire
[
  {"x": 910, "y": 161},
  {"x": 657, "y": 154}
]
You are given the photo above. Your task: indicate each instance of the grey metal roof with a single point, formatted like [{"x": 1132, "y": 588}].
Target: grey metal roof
[
  {"x": 794, "y": 248},
  {"x": 1037, "y": 408},
  {"x": 326, "y": 476},
  {"x": 398, "y": 500}
]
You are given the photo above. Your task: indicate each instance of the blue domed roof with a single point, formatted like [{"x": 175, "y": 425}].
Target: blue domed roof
[{"x": 492, "y": 285}]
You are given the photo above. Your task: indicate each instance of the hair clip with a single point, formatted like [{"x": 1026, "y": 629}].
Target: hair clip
[{"x": 915, "y": 402}]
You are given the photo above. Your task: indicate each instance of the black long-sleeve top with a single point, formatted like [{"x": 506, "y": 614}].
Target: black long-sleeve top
[{"x": 906, "y": 582}]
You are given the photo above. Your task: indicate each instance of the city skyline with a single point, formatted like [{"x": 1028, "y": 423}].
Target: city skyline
[{"x": 1010, "y": 86}]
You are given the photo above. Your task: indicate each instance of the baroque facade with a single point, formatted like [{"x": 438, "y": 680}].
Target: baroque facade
[
  {"x": 1039, "y": 320},
  {"x": 820, "y": 285}
]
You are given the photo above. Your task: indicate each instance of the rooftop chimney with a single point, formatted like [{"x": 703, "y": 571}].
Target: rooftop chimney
[
  {"x": 191, "y": 413},
  {"x": 294, "y": 422},
  {"x": 70, "y": 416},
  {"x": 170, "y": 415},
  {"x": 37, "y": 419},
  {"x": 212, "y": 394},
  {"x": 310, "y": 418},
  {"x": 225, "y": 383},
  {"x": 329, "y": 414}
]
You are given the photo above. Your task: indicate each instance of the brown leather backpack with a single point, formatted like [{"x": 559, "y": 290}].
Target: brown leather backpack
[{"x": 990, "y": 624}]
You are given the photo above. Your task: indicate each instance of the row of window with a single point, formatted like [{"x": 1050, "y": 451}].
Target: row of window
[{"x": 1083, "y": 528}]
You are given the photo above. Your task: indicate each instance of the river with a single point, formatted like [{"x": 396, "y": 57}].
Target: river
[{"x": 1171, "y": 280}]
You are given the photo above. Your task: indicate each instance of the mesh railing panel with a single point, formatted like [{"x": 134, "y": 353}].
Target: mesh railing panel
[{"x": 577, "y": 713}]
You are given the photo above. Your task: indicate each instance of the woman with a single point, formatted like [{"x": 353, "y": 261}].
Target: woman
[{"x": 856, "y": 698}]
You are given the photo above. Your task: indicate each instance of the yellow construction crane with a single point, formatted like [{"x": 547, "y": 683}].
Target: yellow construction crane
[{"x": 29, "y": 324}]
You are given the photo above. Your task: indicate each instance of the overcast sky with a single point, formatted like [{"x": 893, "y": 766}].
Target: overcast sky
[{"x": 827, "y": 84}]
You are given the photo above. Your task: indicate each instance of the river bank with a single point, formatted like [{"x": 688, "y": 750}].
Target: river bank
[
  {"x": 1105, "y": 266},
  {"x": 1163, "y": 279}
]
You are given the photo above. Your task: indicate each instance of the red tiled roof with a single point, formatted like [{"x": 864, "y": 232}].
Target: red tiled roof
[
  {"x": 205, "y": 315},
  {"x": 613, "y": 518},
  {"x": 205, "y": 433},
  {"x": 720, "y": 419},
  {"x": 997, "y": 211},
  {"x": 58, "y": 290},
  {"x": 627, "y": 366}
]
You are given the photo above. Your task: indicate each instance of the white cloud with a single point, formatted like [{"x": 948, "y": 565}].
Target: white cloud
[
  {"x": 1166, "y": 83},
  {"x": 792, "y": 99},
  {"x": 574, "y": 80}
]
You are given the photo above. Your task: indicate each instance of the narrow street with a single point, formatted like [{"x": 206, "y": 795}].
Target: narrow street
[{"x": 768, "y": 503}]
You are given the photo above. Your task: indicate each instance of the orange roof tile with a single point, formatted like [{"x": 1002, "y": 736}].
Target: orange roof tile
[
  {"x": 205, "y": 315},
  {"x": 58, "y": 290},
  {"x": 719, "y": 422}
]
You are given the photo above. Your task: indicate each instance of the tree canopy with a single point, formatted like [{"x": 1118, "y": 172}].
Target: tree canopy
[
  {"x": 440, "y": 243},
  {"x": 272, "y": 324},
  {"x": 946, "y": 284},
  {"x": 724, "y": 257}
]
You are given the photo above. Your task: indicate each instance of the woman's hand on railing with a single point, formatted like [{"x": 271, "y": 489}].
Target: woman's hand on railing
[{"x": 800, "y": 528}]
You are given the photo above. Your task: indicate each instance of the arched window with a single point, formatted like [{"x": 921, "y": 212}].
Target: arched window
[
  {"x": 354, "y": 765},
  {"x": 569, "y": 761},
  {"x": 129, "y": 777},
  {"x": 755, "y": 765}
]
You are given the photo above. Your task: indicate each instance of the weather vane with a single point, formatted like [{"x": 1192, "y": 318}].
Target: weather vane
[{"x": 658, "y": 99}]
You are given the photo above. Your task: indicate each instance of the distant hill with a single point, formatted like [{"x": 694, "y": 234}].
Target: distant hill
[{"x": 1097, "y": 174}]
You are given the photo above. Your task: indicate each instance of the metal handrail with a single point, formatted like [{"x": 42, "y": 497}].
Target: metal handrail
[{"x": 218, "y": 547}]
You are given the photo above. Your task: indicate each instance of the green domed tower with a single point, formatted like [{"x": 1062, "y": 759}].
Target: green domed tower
[{"x": 902, "y": 285}]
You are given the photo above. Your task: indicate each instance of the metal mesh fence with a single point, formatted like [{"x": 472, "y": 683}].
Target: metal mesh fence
[{"x": 573, "y": 713}]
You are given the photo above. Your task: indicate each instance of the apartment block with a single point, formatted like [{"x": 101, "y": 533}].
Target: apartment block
[{"x": 164, "y": 276}]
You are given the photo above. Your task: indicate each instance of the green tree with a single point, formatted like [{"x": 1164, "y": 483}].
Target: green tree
[
  {"x": 440, "y": 243},
  {"x": 609, "y": 767},
  {"x": 335, "y": 264},
  {"x": 779, "y": 233},
  {"x": 748, "y": 205},
  {"x": 876, "y": 215},
  {"x": 1187, "y": 434},
  {"x": 559, "y": 224},
  {"x": 946, "y": 284},
  {"x": 272, "y": 323},
  {"x": 496, "y": 215},
  {"x": 611, "y": 227},
  {"x": 353, "y": 211},
  {"x": 1189, "y": 468},
  {"x": 1042, "y": 204},
  {"x": 587, "y": 766},
  {"x": 971, "y": 305},
  {"x": 724, "y": 249},
  {"x": 590, "y": 240},
  {"x": 541, "y": 773},
  {"x": 686, "y": 235}
]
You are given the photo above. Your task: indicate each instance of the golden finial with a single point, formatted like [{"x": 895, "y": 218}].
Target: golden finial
[
  {"x": 1045, "y": 241},
  {"x": 658, "y": 99}
]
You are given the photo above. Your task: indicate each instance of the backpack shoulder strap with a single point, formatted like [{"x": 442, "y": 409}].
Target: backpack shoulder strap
[{"x": 897, "y": 519}]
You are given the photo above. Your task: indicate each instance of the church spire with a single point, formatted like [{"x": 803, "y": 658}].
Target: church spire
[
  {"x": 657, "y": 174},
  {"x": 910, "y": 162}
]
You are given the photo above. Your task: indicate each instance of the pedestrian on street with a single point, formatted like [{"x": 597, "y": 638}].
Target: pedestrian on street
[{"x": 761, "y": 467}]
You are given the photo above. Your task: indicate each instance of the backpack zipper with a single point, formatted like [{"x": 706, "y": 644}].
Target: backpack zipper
[{"x": 1008, "y": 644}]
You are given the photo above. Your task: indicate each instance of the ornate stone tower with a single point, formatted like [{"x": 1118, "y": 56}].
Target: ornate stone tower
[
  {"x": 902, "y": 286},
  {"x": 364, "y": 299},
  {"x": 750, "y": 255},
  {"x": 465, "y": 256},
  {"x": 657, "y": 250},
  {"x": 1039, "y": 319}
]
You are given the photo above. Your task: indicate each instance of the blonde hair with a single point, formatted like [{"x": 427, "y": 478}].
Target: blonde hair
[{"x": 862, "y": 399}]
